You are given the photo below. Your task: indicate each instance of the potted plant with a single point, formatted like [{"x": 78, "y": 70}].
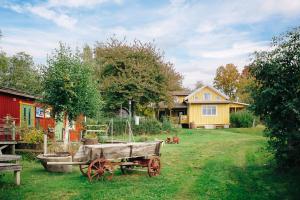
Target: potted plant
[{"x": 90, "y": 138}]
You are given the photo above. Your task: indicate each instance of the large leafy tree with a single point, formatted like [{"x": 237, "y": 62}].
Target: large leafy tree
[
  {"x": 276, "y": 95},
  {"x": 20, "y": 72},
  {"x": 68, "y": 86},
  {"x": 226, "y": 80},
  {"x": 135, "y": 71}
]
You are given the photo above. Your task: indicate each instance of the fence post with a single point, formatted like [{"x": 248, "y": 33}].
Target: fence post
[
  {"x": 45, "y": 143},
  {"x": 13, "y": 137}
]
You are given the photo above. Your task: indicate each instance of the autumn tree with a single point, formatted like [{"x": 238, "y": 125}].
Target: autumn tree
[
  {"x": 276, "y": 96},
  {"x": 226, "y": 80},
  {"x": 135, "y": 72},
  {"x": 245, "y": 84}
]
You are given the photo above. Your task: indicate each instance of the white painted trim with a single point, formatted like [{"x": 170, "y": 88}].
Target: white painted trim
[
  {"x": 209, "y": 115},
  {"x": 212, "y": 88}
]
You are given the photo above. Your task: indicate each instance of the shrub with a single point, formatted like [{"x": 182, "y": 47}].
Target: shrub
[
  {"x": 166, "y": 124},
  {"x": 91, "y": 136},
  {"x": 33, "y": 135},
  {"x": 148, "y": 126},
  {"x": 241, "y": 119}
]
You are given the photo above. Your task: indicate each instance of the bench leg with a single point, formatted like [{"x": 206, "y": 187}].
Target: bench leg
[{"x": 17, "y": 177}]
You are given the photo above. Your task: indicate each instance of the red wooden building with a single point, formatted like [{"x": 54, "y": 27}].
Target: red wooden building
[{"x": 27, "y": 112}]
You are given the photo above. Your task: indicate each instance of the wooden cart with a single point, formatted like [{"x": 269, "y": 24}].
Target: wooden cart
[{"x": 100, "y": 160}]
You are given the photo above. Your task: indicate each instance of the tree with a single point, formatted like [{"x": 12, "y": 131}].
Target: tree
[
  {"x": 226, "y": 80},
  {"x": 135, "y": 72},
  {"x": 276, "y": 95},
  {"x": 19, "y": 72},
  {"x": 245, "y": 84},
  {"x": 198, "y": 84},
  {"x": 68, "y": 86}
]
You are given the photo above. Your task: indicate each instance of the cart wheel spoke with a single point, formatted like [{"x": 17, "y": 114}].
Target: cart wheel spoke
[
  {"x": 154, "y": 166},
  {"x": 99, "y": 168}
]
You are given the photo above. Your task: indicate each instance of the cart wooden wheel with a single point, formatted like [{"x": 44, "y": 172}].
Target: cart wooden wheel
[
  {"x": 154, "y": 166},
  {"x": 84, "y": 169},
  {"x": 100, "y": 168}
]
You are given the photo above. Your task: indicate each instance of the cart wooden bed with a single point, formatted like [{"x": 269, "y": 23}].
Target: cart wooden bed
[{"x": 100, "y": 160}]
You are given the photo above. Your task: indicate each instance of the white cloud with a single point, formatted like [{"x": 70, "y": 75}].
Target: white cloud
[
  {"x": 80, "y": 3},
  {"x": 237, "y": 49},
  {"x": 61, "y": 20}
]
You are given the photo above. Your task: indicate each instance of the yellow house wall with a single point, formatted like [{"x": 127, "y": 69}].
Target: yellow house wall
[
  {"x": 200, "y": 95},
  {"x": 196, "y": 116}
]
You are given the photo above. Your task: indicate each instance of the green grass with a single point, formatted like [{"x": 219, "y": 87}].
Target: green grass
[{"x": 207, "y": 164}]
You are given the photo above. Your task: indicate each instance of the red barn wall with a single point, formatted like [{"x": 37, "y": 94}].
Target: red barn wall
[{"x": 10, "y": 105}]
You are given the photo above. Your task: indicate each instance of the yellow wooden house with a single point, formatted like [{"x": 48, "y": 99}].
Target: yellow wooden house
[{"x": 205, "y": 107}]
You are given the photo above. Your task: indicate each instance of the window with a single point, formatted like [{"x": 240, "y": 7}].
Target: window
[
  {"x": 195, "y": 98},
  {"x": 209, "y": 110},
  {"x": 206, "y": 96},
  {"x": 218, "y": 98}
]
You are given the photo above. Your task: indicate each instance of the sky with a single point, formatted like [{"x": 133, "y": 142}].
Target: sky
[{"x": 196, "y": 35}]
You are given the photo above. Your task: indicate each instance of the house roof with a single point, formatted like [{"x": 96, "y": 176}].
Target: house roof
[
  {"x": 16, "y": 93},
  {"x": 240, "y": 103},
  {"x": 212, "y": 88},
  {"x": 180, "y": 93}
]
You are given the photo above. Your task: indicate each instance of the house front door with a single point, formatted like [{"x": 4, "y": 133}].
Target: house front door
[{"x": 27, "y": 115}]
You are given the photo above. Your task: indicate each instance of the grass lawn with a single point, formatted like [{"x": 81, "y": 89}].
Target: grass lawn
[{"x": 207, "y": 164}]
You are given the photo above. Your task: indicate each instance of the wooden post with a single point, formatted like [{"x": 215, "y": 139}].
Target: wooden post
[
  {"x": 13, "y": 130},
  {"x": 129, "y": 108},
  {"x": 17, "y": 175},
  {"x": 45, "y": 144},
  {"x": 66, "y": 135}
]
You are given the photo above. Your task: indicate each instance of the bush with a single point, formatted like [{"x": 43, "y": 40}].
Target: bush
[
  {"x": 241, "y": 119},
  {"x": 33, "y": 135},
  {"x": 147, "y": 126},
  {"x": 166, "y": 124},
  {"x": 91, "y": 136}
]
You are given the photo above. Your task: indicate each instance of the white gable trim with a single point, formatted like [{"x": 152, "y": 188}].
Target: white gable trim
[{"x": 212, "y": 88}]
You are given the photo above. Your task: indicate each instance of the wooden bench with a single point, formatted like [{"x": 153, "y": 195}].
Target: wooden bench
[{"x": 16, "y": 168}]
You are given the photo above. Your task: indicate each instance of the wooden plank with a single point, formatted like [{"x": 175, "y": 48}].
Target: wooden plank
[
  {"x": 10, "y": 167},
  {"x": 66, "y": 163},
  {"x": 9, "y": 158},
  {"x": 30, "y": 150},
  {"x": 8, "y": 142}
]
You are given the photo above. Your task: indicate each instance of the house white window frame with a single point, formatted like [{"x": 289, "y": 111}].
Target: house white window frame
[
  {"x": 211, "y": 109},
  {"x": 206, "y": 95}
]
